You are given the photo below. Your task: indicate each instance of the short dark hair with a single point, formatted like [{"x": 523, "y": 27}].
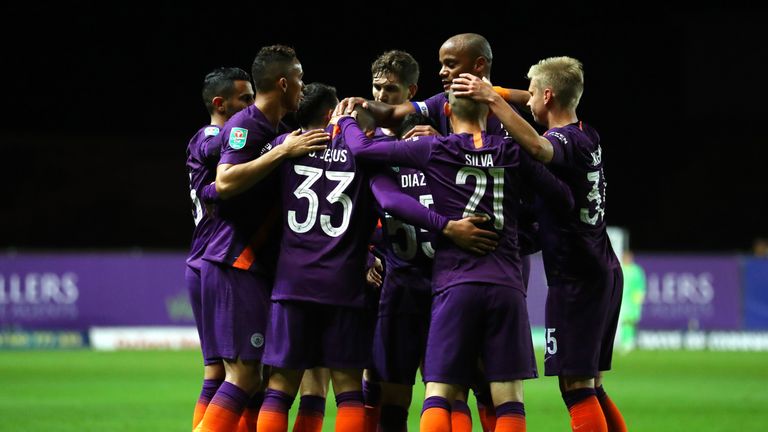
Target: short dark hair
[
  {"x": 221, "y": 82},
  {"x": 399, "y": 63},
  {"x": 271, "y": 63},
  {"x": 414, "y": 119},
  {"x": 318, "y": 99},
  {"x": 466, "y": 108}
]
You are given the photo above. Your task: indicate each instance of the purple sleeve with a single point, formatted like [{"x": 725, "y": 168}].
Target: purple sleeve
[
  {"x": 209, "y": 194},
  {"x": 556, "y": 194},
  {"x": 211, "y": 149},
  {"x": 559, "y": 147},
  {"x": 413, "y": 152},
  {"x": 403, "y": 206}
]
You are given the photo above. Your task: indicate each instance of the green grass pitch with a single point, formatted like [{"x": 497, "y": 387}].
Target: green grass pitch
[{"x": 156, "y": 390}]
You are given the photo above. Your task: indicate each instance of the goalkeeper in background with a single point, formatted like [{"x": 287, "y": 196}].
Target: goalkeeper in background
[{"x": 631, "y": 302}]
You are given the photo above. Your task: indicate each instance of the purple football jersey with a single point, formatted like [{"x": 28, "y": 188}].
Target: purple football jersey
[
  {"x": 327, "y": 219},
  {"x": 434, "y": 107},
  {"x": 469, "y": 174},
  {"x": 202, "y": 157},
  {"x": 577, "y": 246},
  {"x": 406, "y": 248},
  {"x": 247, "y": 237}
]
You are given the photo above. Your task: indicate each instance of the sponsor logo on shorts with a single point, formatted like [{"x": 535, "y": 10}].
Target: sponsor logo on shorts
[
  {"x": 257, "y": 340},
  {"x": 237, "y": 138}
]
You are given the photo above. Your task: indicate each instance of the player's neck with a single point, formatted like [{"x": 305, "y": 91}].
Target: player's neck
[
  {"x": 561, "y": 118},
  {"x": 218, "y": 120},
  {"x": 270, "y": 105},
  {"x": 466, "y": 126},
  {"x": 309, "y": 127}
]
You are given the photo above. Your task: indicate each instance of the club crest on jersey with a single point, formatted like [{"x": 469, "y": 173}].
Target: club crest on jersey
[
  {"x": 257, "y": 340},
  {"x": 211, "y": 131},
  {"x": 237, "y": 138}
]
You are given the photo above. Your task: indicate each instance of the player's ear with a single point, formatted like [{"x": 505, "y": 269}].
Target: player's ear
[
  {"x": 412, "y": 90},
  {"x": 480, "y": 64},
  {"x": 283, "y": 83},
  {"x": 218, "y": 103},
  {"x": 447, "y": 109},
  {"x": 549, "y": 95}
]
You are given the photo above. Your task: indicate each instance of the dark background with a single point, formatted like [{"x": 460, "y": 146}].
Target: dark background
[{"x": 100, "y": 101}]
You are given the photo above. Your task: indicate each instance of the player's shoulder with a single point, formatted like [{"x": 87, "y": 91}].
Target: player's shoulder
[
  {"x": 431, "y": 106},
  {"x": 383, "y": 135},
  {"x": 279, "y": 139},
  {"x": 202, "y": 136},
  {"x": 210, "y": 131},
  {"x": 578, "y": 134}
]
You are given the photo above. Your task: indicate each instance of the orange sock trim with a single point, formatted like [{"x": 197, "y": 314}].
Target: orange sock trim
[
  {"x": 218, "y": 419},
  {"x": 435, "y": 420},
  {"x": 587, "y": 416},
  {"x": 510, "y": 423},
  {"x": 487, "y": 419},
  {"x": 613, "y": 416},
  {"x": 197, "y": 416},
  {"x": 272, "y": 421},
  {"x": 350, "y": 419}
]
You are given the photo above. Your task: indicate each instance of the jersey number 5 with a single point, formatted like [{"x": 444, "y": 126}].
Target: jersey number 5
[{"x": 409, "y": 252}]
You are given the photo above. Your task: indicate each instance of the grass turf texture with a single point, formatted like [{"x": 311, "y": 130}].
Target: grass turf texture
[{"x": 156, "y": 391}]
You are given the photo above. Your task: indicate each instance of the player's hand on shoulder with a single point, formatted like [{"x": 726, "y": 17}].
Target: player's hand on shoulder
[
  {"x": 337, "y": 118},
  {"x": 347, "y": 105},
  {"x": 297, "y": 144},
  {"x": 465, "y": 234}
]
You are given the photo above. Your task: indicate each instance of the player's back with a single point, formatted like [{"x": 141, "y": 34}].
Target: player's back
[
  {"x": 406, "y": 248},
  {"x": 577, "y": 244},
  {"x": 327, "y": 218},
  {"x": 477, "y": 174},
  {"x": 202, "y": 157}
]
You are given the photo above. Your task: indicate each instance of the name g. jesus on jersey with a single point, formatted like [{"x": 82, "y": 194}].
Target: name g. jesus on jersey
[{"x": 331, "y": 155}]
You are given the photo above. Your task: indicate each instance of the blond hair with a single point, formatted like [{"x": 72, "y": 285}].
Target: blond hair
[{"x": 564, "y": 75}]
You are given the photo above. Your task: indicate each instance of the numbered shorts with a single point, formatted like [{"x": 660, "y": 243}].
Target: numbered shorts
[
  {"x": 401, "y": 331},
  {"x": 304, "y": 335},
  {"x": 235, "y": 308},
  {"x": 581, "y": 319},
  {"x": 472, "y": 321}
]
